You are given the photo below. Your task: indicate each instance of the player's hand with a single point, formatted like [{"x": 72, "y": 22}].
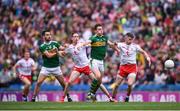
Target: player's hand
[
  {"x": 55, "y": 50},
  {"x": 62, "y": 53},
  {"x": 66, "y": 45},
  {"x": 115, "y": 43}
]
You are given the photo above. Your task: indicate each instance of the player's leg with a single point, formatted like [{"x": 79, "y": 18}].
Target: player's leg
[
  {"x": 74, "y": 75},
  {"x": 95, "y": 82},
  {"x": 59, "y": 76},
  {"x": 103, "y": 88},
  {"x": 116, "y": 84},
  {"x": 131, "y": 80},
  {"x": 27, "y": 84},
  {"x": 40, "y": 80}
]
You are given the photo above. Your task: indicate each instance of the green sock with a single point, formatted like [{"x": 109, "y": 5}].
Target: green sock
[{"x": 94, "y": 86}]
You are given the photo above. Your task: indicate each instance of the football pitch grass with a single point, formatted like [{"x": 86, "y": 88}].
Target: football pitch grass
[{"x": 76, "y": 106}]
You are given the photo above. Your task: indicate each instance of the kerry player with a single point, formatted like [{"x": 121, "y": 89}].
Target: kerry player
[
  {"x": 99, "y": 43},
  {"x": 49, "y": 50}
]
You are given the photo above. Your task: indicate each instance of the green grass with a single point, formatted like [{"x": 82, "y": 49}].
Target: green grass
[{"x": 87, "y": 106}]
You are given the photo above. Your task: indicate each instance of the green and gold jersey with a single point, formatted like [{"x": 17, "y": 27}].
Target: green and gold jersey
[
  {"x": 50, "y": 62},
  {"x": 98, "y": 47}
]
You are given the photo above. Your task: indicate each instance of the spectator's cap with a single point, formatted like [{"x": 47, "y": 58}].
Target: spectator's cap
[{"x": 130, "y": 35}]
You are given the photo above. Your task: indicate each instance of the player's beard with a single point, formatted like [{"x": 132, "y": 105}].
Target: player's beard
[{"x": 48, "y": 39}]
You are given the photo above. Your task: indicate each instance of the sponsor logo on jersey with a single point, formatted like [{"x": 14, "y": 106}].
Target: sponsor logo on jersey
[{"x": 98, "y": 44}]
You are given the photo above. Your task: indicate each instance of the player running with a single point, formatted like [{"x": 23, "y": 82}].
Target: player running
[
  {"x": 128, "y": 67},
  {"x": 23, "y": 69},
  {"x": 99, "y": 43},
  {"x": 49, "y": 50},
  {"x": 81, "y": 61}
]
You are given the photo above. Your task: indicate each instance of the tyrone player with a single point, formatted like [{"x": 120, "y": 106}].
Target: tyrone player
[
  {"x": 81, "y": 61},
  {"x": 23, "y": 68},
  {"x": 128, "y": 67}
]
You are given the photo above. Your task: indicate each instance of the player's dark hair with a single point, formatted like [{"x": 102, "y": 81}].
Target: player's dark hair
[
  {"x": 97, "y": 25},
  {"x": 44, "y": 31},
  {"x": 25, "y": 50},
  {"x": 130, "y": 35},
  {"x": 75, "y": 33}
]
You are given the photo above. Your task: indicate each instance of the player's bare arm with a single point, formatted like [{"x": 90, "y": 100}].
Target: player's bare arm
[
  {"x": 63, "y": 47},
  {"x": 113, "y": 46},
  {"x": 62, "y": 53},
  {"x": 146, "y": 55},
  {"x": 15, "y": 70},
  {"x": 33, "y": 68},
  {"x": 50, "y": 54},
  {"x": 84, "y": 44}
]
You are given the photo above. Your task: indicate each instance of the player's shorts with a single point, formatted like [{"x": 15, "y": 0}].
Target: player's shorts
[
  {"x": 85, "y": 70},
  {"x": 97, "y": 64},
  {"x": 125, "y": 70},
  {"x": 29, "y": 77},
  {"x": 56, "y": 71}
]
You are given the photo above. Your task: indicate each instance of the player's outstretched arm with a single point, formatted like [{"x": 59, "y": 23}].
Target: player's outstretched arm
[
  {"x": 84, "y": 44},
  {"x": 113, "y": 46},
  {"x": 146, "y": 55},
  {"x": 62, "y": 48}
]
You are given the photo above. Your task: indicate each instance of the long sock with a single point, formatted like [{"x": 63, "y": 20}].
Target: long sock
[{"x": 94, "y": 86}]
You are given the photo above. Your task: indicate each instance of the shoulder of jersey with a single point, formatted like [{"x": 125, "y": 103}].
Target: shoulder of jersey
[
  {"x": 122, "y": 43},
  {"x": 42, "y": 44},
  {"x": 31, "y": 59},
  {"x": 134, "y": 44},
  {"x": 55, "y": 42},
  {"x": 93, "y": 36},
  {"x": 20, "y": 60}
]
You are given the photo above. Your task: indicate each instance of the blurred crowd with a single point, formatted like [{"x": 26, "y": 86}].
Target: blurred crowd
[{"x": 156, "y": 24}]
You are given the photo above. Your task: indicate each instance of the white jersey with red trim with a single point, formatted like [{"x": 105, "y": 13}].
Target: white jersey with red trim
[
  {"x": 79, "y": 55},
  {"x": 128, "y": 53},
  {"x": 24, "y": 67}
]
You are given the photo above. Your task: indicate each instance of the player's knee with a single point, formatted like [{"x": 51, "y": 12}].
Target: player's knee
[
  {"x": 130, "y": 84},
  {"x": 99, "y": 78},
  {"x": 69, "y": 83},
  {"x": 28, "y": 85}
]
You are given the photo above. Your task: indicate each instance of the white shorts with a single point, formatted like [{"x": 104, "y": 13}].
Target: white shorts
[
  {"x": 56, "y": 71},
  {"x": 97, "y": 64}
]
